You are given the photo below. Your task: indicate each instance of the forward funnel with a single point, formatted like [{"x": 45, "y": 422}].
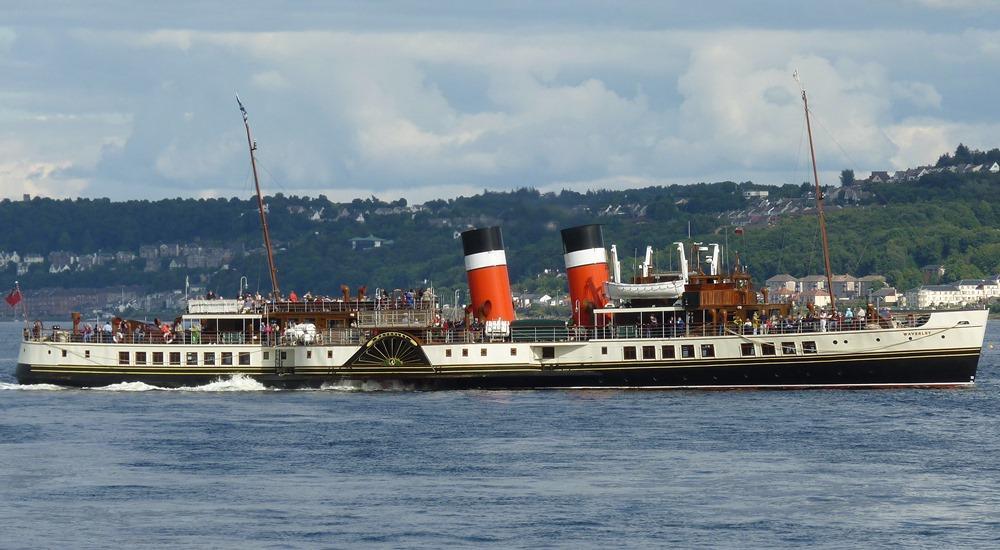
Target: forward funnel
[{"x": 486, "y": 270}]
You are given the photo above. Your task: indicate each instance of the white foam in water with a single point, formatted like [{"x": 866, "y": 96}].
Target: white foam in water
[
  {"x": 235, "y": 383},
  {"x": 365, "y": 386},
  {"x": 127, "y": 386},
  {"x": 30, "y": 387}
]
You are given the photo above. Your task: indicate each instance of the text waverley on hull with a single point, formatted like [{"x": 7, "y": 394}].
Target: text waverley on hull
[{"x": 700, "y": 328}]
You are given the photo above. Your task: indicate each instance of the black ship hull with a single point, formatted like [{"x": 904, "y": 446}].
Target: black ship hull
[{"x": 952, "y": 368}]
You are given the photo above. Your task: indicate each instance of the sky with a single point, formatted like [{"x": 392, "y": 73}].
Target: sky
[{"x": 425, "y": 100}]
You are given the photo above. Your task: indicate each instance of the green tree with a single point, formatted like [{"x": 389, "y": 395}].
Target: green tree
[{"x": 847, "y": 177}]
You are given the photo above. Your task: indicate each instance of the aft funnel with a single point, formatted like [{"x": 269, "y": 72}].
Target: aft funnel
[
  {"x": 587, "y": 271},
  {"x": 486, "y": 270}
]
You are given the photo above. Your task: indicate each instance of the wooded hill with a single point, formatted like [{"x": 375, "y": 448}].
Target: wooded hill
[{"x": 944, "y": 218}]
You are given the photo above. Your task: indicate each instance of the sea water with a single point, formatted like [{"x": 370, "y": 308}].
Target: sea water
[{"x": 232, "y": 464}]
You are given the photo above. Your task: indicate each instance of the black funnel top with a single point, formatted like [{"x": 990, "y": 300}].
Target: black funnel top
[
  {"x": 486, "y": 239},
  {"x": 582, "y": 237}
]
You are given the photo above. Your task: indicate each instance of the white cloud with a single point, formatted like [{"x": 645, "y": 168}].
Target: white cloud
[
  {"x": 919, "y": 94},
  {"x": 976, "y": 5},
  {"x": 923, "y": 140},
  {"x": 418, "y": 112}
]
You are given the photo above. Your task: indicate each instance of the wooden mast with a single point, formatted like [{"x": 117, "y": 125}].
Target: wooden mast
[
  {"x": 819, "y": 200},
  {"x": 275, "y": 290}
]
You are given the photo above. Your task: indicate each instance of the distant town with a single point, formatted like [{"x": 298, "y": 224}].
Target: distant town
[{"x": 394, "y": 244}]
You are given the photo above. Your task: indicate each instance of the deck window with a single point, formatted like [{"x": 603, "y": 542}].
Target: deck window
[
  {"x": 209, "y": 358},
  {"x": 447, "y": 353},
  {"x": 329, "y": 354},
  {"x": 548, "y": 352},
  {"x": 746, "y": 350},
  {"x": 667, "y": 352},
  {"x": 122, "y": 357},
  {"x": 513, "y": 352},
  {"x": 767, "y": 348},
  {"x": 687, "y": 351},
  {"x": 788, "y": 348},
  {"x": 175, "y": 358},
  {"x": 227, "y": 358},
  {"x": 708, "y": 350},
  {"x": 267, "y": 355},
  {"x": 482, "y": 352},
  {"x": 809, "y": 347},
  {"x": 465, "y": 352},
  {"x": 628, "y": 352},
  {"x": 604, "y": 350},
  {"x": 284, "y": 355},
  {"x": 86, "y": 354},
  {"x": 157, "y": 357},
  {"x": 309, "y": 354},
  {"x": 244, "y": 357},
  {"x": 649, "y": 352},
  {"x": 192, "y": 358},
  {"x": 140, "y": 358}
]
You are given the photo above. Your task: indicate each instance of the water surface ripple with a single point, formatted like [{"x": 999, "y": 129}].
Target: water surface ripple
[{"x": 235, "y": 465}]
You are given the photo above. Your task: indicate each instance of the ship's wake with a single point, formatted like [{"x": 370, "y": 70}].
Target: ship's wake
[
  {"x": 30, "y": 387},
  {"x": 234, "y": 383}
]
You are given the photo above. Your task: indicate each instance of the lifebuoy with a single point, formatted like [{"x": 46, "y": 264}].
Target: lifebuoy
[
  {"x": 118, "y": 337},
  {"x": 168, "y": 338}
]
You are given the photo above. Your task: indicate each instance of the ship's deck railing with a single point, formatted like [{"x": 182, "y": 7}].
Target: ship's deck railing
[
  {"x": 341, "y": 306},
  {"x": 437, "y": 335}
]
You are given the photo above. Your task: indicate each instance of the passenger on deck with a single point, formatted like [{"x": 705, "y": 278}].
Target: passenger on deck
[{"x": 293, "y": 297}]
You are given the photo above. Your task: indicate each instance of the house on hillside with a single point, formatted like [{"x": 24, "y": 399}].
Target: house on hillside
[
  {"x": 869, "y": 283},
  {"x": 369, "y": 242},
  {"x": 845, "y": 286},
  {"x": 812, "y": 282},
  {"x": 818, "y": 298},
  {"x": 878, "y": 176},
  {"x": 781, "y": 281},
  {"x": 886, "y": 296}
]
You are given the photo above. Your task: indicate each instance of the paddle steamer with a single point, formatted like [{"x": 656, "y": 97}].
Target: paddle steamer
[{"x": 712, "y": 330}]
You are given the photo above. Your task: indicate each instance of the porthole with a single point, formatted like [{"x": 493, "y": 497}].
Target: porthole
[
  {"x": 942, "y": 336},
  {"x": 835, "y": 342},
  {"x": 910, "y": 338},
  {"x": 878, "y": 339}
]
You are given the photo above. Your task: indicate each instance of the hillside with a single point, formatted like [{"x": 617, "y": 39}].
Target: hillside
[{"x": 890, "y": 228}]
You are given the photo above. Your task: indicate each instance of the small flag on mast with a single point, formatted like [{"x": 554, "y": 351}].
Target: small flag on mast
[
  {"x": 242, "y": 109},
  {"x": 14, "y": 297},
  {"x": 738, "y": 231}
]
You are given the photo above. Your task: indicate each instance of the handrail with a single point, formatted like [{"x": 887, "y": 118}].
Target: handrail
[{"x": 467, "y": 335}]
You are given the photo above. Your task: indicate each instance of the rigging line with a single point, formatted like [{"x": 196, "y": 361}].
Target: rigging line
[
  {"x": 781, "y": 253},
  {"x": 277, "y": 183},
  {"x": 868, "y": 243},
  {"x": 837, "y": 143},
  {"x": 812, "y": 263}
]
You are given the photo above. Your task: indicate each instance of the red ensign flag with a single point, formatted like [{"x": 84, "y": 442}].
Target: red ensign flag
[{"x": 14, "y": 297}]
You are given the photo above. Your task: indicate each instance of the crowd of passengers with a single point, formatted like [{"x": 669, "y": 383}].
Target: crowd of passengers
[
  {"x": 811, "y": 321},
  {"x": 397, "y": 299}
]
